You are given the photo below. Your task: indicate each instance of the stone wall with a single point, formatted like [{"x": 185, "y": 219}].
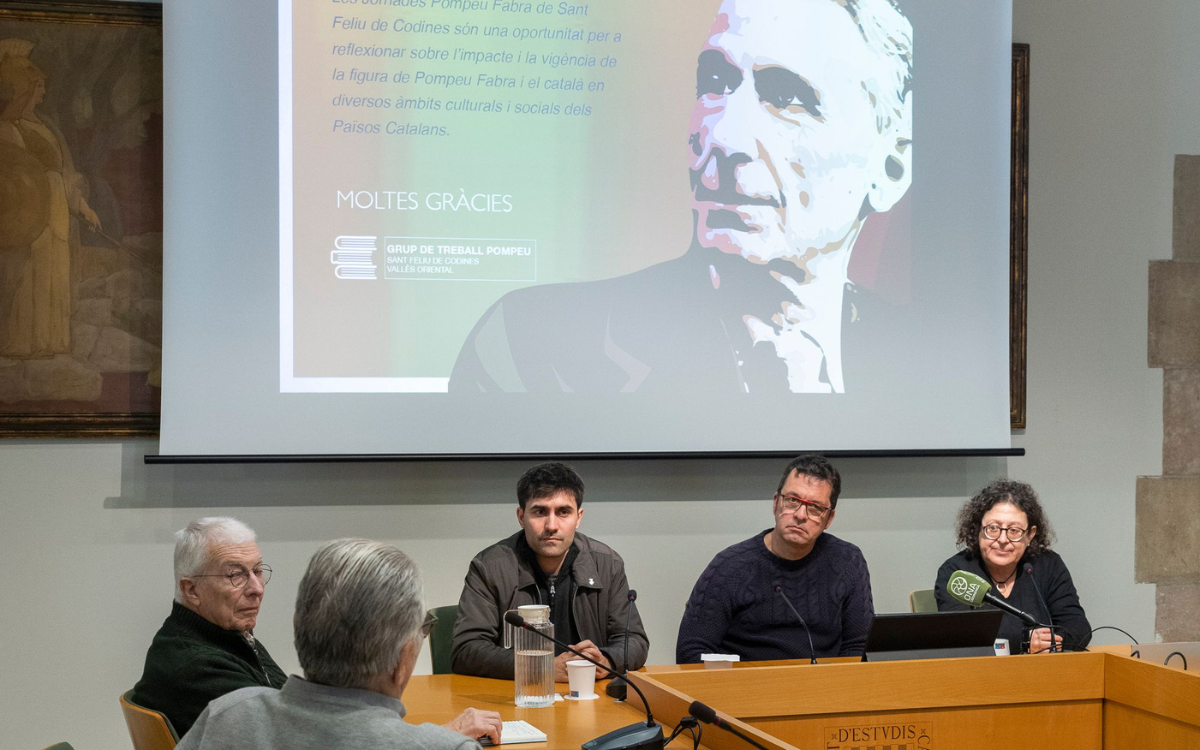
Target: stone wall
[{"x": 1168, "y": 506}]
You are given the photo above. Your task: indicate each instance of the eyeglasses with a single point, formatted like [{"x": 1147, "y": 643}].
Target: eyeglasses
[
  {"x": 792, "y": 504},
  {"x": 430, "y": 621},
  {"x": 1014, "y": 533},
  {"x": 240, "y": 576}
]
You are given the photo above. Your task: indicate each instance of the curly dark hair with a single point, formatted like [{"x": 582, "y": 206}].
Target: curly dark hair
[
  {"x": 970, "y": 517},
  {"x": 549, "y": 479}
]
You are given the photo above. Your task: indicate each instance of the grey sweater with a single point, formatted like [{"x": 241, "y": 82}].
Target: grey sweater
[{"x": 307, "y": 716}]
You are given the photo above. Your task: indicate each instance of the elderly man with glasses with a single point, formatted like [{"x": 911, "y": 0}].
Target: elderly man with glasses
[
  {"x": 751, "y": 598},
  {"x": 206, "y": 647},
  {"x": 360, "y": 622}
]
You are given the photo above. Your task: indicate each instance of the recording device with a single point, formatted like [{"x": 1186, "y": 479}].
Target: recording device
[
  {"x": 973, "y": 591},
  {"x": 616, "y": 689},
  {"x": 709, "y": 716},
  {"x": 1042, "y": 601},
  {"x": 647, "y": 735},
  {"x": 812, "y": 652}
]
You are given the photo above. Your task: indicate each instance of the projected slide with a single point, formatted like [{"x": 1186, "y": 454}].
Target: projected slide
[{"x": 608, "y": 197}]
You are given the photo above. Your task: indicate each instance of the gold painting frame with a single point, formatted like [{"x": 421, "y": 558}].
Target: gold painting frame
[{"x": 102, "y": 119}]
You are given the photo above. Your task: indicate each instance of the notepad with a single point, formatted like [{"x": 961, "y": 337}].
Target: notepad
[{"x": 515, "y": 732}]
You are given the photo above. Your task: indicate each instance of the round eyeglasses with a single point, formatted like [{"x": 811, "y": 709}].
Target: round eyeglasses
[
  {"x": 1014, "y": 533},
  {"x": 239, "y": 576}
]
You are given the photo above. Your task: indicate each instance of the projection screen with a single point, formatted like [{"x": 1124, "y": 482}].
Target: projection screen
[{"x": 498, "y": 227}]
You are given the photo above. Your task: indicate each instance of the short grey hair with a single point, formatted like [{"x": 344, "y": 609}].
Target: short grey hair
[
  {"x": 193, "y": 541},
  {"x": 889, "y": 35},
  {"x": 359, "y": 603}
]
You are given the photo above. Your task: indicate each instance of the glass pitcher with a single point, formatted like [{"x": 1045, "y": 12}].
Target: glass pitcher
[{"x": 533, "y": 657}]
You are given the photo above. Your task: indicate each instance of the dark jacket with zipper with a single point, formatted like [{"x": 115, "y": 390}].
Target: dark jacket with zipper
[
  {"x": 191, "y": 661},
  {"x": 500, "y": 579}
]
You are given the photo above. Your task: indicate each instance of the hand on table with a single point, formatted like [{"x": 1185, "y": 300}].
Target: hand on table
[
  {"x": 474, "y": 723},
  {"x": 1039, "y": 641},
  {"x": 585, "y": 647}
]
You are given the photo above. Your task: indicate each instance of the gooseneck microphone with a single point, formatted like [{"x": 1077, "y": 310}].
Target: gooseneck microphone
[
  {"x": 812, "y": 652},
  {"x": 973, "y": 591},
  {"x": 707, "y": 715},
  {"x": 616, "y": 689},
  {"x": 1042, "y": 601},
  {"x": 647, "y": 735}
]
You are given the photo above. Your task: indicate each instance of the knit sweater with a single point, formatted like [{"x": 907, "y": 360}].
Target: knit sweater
[
  {"x": 307, "y": 716},
  {"x": 191, "y": 661},
  {"x": 734, "y": 608}
]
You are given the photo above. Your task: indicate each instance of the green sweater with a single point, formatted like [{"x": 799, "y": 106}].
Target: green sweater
[{"x": 191, "y": 661}]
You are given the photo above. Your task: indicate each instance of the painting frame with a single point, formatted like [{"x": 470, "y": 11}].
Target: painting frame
[
  {"x": 83, "y": 424},
  {"x": 1018, "y": 236}
]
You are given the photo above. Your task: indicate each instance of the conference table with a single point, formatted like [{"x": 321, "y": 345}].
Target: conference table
[{"x": 1100, "y": 700}]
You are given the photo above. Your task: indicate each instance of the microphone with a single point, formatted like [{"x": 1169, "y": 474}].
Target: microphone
[
  {"x": 646, "y": 735},
  {"x": 1042, "y": 601},
  {"x": 616, "y": 689},
  {"x": 706, "y": 714},
  {"x": 812, "y": 652},
  {"x": 973, "y": 591}
]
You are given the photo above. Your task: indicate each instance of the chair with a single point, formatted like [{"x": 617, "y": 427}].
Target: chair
[
  {"x": 60, "y": 746},
  {"x": 922, "y": 600},
  {"x": 148, "y": 729},
  {"x": 441, "y": 638}
]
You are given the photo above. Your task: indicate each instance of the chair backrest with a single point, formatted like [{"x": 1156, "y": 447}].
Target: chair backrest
[
  {"x": 148, "y": 729},
  {"x": 441, "y": 638},
  {"x": 60, "y": 746},
  {"x": 922, "y": 600}
]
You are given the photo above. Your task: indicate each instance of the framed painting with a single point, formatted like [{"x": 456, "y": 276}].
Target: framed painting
[
  {"x": 1018, "y": 234},
  {"x": 80, "y": 218}
]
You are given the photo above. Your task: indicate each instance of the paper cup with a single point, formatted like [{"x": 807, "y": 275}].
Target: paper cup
[{"x": 582, "y": 678}]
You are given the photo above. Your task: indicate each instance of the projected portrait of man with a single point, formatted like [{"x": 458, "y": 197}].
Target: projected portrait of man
[{"x": 801, "y": 130}]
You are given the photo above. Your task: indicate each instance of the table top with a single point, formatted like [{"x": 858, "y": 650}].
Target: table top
[{"x": 567, "y": 724}]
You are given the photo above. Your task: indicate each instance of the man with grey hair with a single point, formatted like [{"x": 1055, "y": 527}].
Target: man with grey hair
[
  {"x": 801, "y": 131},
  {"x": 359, "y": 623},
  {"x": 206, "y": 647}
]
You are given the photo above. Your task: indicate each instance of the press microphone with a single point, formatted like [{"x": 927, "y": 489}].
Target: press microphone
[
  {"x": 812, "y": 652},
  {"x": 707, "y": 715},
  {"x": 1042, "y": 601},
  {"x": 646, "y": 735},
  {"x": 973, "y": 591},
  {"x": 616, "y": 688}
]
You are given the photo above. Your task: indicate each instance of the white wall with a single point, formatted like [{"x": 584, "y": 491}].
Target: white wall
[{"x": 85, "y": 527}]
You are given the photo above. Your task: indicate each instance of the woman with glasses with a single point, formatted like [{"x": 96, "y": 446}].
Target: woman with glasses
[{"x": 1005, "y": 538}]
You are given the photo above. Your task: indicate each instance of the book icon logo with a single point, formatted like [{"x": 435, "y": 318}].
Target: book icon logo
[{"x": 353, "y": 257}]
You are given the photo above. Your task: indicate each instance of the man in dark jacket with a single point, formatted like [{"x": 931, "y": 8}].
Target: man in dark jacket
[
  {"x": 206, "y": 647},
  {"x": 547, "y": 562}
]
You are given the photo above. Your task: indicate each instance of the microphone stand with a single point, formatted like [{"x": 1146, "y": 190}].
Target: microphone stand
[
  {"x": 616, "y": 689},
  {"x": 644, "y": 735},
  {"x": 709, "y": 716}
]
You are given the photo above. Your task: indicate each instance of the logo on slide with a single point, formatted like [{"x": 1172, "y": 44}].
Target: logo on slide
[{"x": 353, "y": 257}]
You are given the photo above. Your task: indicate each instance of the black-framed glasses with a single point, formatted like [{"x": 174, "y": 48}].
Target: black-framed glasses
[
  {"x": 427, "y": 625},
  {"x": 1014, "y": 533},
  {"x": 239, "y": 576},
  {"x": 792, "y": 504}
]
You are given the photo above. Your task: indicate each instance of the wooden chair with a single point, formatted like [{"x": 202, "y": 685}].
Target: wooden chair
[
  {"x": 922, "y": 600},
  {"x": 441, "y": 638},
  {"x": 148, "y": 729}
]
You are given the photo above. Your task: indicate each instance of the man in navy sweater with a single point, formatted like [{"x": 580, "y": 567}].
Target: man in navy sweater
[{"x": 735, "y": 607}]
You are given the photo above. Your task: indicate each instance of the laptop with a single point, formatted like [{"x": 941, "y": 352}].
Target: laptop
[{"x": 933, "y": 635}]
